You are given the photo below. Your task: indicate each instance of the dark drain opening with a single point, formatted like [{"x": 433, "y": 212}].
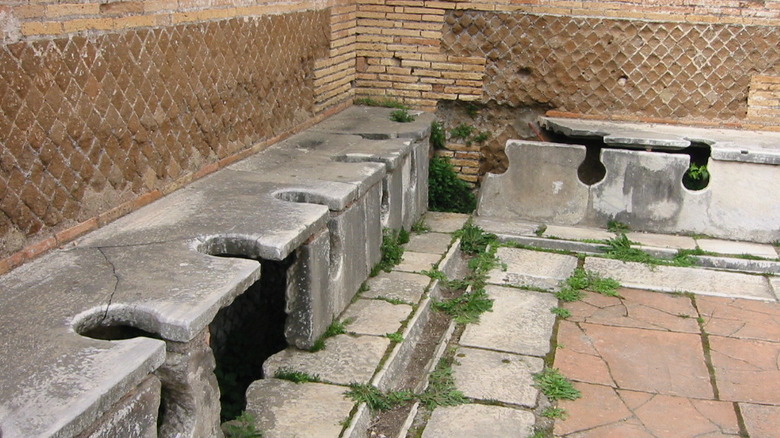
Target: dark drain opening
[
  {"x": 246, "y": 333},
  {"x": 117, "y": 333},
  {"x": 698, "y": 176}
]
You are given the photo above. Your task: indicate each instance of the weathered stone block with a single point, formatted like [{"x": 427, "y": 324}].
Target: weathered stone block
[{"x": 133, "y": 416}]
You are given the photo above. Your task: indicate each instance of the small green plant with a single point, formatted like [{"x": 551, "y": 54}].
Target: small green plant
[
  {"x": 391, "y": 249},
  {"x": 441, "y": 387},
  {"x": 466, "y": 308},
  {"x": 364, "y": 287},
  {"x": 539, "y": 231},
  {"x": 242, "y": 427},
  {"x": 394, "y": 301},
  {"x": 582, "y": 279},
  {"x": 541, "y": 433},
  {"x": 401, "y": 116},
  {"x": 376, "y": 399},
  {"x": 438, "y": 136},
  {"x": 447, "y": 192},
  {"x": 435, "y": 274},
  {"x": 555, "y": 386},
  {"x": 569, "y": 294},
  {"x": 295, "y": 376},
  {"x": 619, "y": 247},
  {"x": 385, "y": 103},
  {"x": 481, "y": 137},
  {"x": 617, "y": 226},
  {"x": 395, "y": 337},
  {"x": 554, "y": 413},
  {"x": 696, "y": 177},
  {"x": 560, "y": 312},
  {"x": 472, "y": 110},
  {"x": 474, "y": 239},
  {"x": 462, "y": 131},
  {"x": 335, "y": 328},
  {"x": 420, "y": 227},
  {"x": 683, "y": 315},
  {"x": 403, "y": 237}
]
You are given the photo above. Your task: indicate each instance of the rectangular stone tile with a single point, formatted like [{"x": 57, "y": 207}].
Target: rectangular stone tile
[
  {"x": 445, "y": 222},
  {"x": 577, "y": 233},
  {"x": 760, "y": 420},
  {"x": 506, "y": 227},
  {"x": 520, "y": 322},
  {"x": 417, "y": 262},
  {"x": 433, "y": 243},
  {"x": 375, "y": 317},
  {"x": 744, "y": 319},
  {"x": 396, "y": 285},
  {"x": 469, "y": 421},
  {"x": 532, "y": 268},
  {"x": 578, "y": 358},
  {"x": 662, "y": 240},
  {"x": 285, "y": 409},
  {"x": 746, "y": 370},
  {"x": 765, "y": 250},
  {"x": 346, "y": 359},
  {"x": 649, "y": 360},
  {"x": 638, "y": 309},
  {"x": 491, "y": 375},
  {"x": 677, "y": 279},
  {"x": 598, "y": 408}
]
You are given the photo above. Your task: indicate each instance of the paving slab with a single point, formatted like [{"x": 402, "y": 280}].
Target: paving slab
[
  {"x": 375, "y": 123},
  {"x": 760, "y": 420},
  {"x": 641, "y": 360},
  {"x": 507, "y": 227},
  {"x": 742, "y": 319},
  {"x": 346, "y": 359},
  {"x": 491, "y": 375},
  {"x": 285, "y": 409},
  {"x": 775, "y": 283},
  {"x": 436, "y": 243},
  {"x": 440, "y": 222},
  {"x": 765, "y": 250},
  {"x": 469, "y": 421},
  {"x": 599, "y": 408},
  {"x": 662, "y": 240},
  {"x": 528, "y": 268},
  {"x": 577, "y": 233},
  {"x": 396, "y": 285},
  {"x": 520, "y": 322},
  {"x": 375, "y": 317},
  {"x": 746, "y": 369},
  {"x": 417, "y": 261},
  {"x": 677, "y": 279},
  {"x": 637, "y": 309}
]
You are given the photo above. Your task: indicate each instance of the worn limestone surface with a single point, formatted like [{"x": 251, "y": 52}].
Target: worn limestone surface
[
  {"x": 375, "y": 317},
  {"x": 527, "y": 268},
  {"x": 577, "y": 233},
  {"x": 495, "y": 376},
  {"x": 445, "y": 222},
  {"x": 429, "y": 242},
  {"x": 506, "y": 227},
  {"x": 662, "y": 240},
  {"x": 134, "y": 416},
  {"x": 345, "y": 359},
  {"x": 418, "y": 261},
  {"x": 677, "y": 279},
  {"x": 468, "y": 421},
  {"x": 732, "y": 247},
  {"x": 520, "y": 322},
  {"x": 396, "y": 285},
  {"x": 285, "y": 409},
  {"x": 374, "y": 123},
  {"x": 540, "y": 184}
]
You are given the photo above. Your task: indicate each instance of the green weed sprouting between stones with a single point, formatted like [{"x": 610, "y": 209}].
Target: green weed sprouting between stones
[
  {"x": 560, "y": 312},
  {"x": 555, "y": 386},
  {"x": 420, "y": 227},
  {"x": 295, "y": 376},
  {"x": 335, "y": 328},
  {"x": 242, "y": 427},
  {"x": 620, "y": 248},
  {"x": 554, "y": 413},
  {"x": 395, "y": 337},
  {"x": 539, "y": 231},
  {"x": 438, "y": 137},
  {"x": 474, "y": 239},
  {"x": 441, "y": 387},
  {"x": 614, "y": 226},
  {"x": 462, "y": 131},
  {"x": 572, "y": 288},
  {"x": 391, "y": 249},
  {"x": 385, "y": 103},
  {"x": 447, "y": 192},
  {"x": 401, "y": 116},
  {"x": 377, "y": 400}
]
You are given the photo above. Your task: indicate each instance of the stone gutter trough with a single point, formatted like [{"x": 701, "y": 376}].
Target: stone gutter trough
[{"x": 114, "y": 335}]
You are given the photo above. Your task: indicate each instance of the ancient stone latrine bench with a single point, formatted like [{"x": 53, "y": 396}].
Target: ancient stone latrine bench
[
  {"x": 633, "y": 173},
  {"x": 117, "y": 334}
]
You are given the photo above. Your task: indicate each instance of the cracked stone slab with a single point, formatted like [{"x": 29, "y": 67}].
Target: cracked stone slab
[
  {"x": 743, "y": 319},
  {"x": 404, "y": 286},
  {"x": 492, "y": 375},
  {"x": 637, "y": 309},
  {"x": 577, "y": 233},
  {"x": 765, "y": 250},
  {"x": 345, "y": 359},
  {"x": 528, "y": 268},
  {"x": 641, "y": 360},
  {"x": 662, "y": 240},
  {"x": 232, "y": 212},
  {"x": 43, "y": 354},
  {"x": 433, "y": 243},
  {"x": 520, "y": 323},
  {"x": 417, "y": 261},
  {"x": 746, "y": 369},
  {"x": 506, "y": 227},
  {"x": 677, "y": 279},
  {"x": 468, "y": 421},
  {"x": 375, "y": 123},
  {"x": 440, "y": 222},
  {"x": 639, "y": 139},
  {"x": 375, "y": 317},
  {"x": 760, "y": 420},
  {"x": 604, "y": 411},
  {"x": 285, "y": 409}
]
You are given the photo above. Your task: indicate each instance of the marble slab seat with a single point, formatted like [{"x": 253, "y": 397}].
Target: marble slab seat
[
  {"x": 641, "y": 188},
  {"x": 164, "y": 271}
]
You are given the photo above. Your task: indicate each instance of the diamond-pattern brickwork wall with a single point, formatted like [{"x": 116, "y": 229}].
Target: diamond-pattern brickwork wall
[
  {"x": 601, "y": 66},
  {"x": 88, "y": 123}
]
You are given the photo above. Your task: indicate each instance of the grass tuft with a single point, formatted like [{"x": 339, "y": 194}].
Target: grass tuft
[
  {"x": 296, "y": 376},
  {"x": 555, "y": 386}
]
